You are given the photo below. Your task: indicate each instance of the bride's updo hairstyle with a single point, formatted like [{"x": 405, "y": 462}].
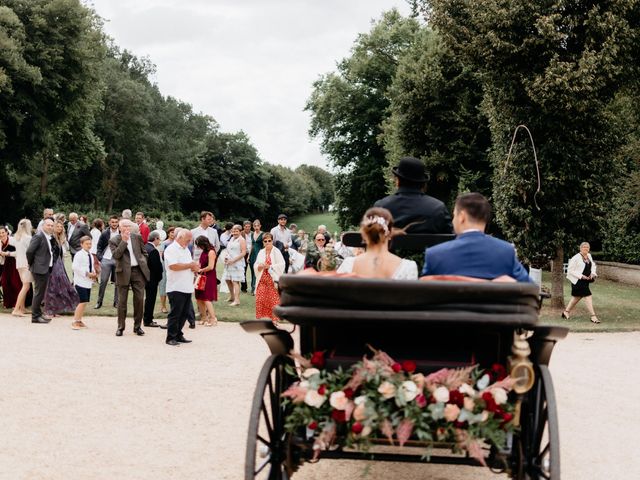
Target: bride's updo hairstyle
[{"x": 376, "y": 225}]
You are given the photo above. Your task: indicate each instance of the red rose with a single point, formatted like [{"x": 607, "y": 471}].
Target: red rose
[
  {"x": 348, "y": 392},
  {"x": 357, "y": 428},
  {"x": 490, "y": 402},
  {"x": 322, "y": 390},
  {"x": 396, "y": 367},
  {"x": 459, "y": 424},
  {"x": 339, "y": 416},
  {"x": 409, "y": 366},
  {"x": 313, "y": 425},
  {"x": 317, "y": 359},
  {"x": 507, "y": 417},
  {"x": 421, "y": 401},
  {"x": 431, "y": 399},
  {"x": 456, "y": 397},
  {"x": 499, "y": 372}
]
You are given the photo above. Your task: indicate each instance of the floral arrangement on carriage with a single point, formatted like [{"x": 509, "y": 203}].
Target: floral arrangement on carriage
[{"x": 379, "y": 398}]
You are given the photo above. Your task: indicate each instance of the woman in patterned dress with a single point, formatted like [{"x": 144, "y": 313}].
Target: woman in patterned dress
[
  {"x": 61, "y": 296},
  {"x": 234, "y": 265},
  {"x": 269, "y": 266}
]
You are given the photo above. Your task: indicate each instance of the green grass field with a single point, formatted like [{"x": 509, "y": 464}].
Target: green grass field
[{"x": 617, "y": 305}]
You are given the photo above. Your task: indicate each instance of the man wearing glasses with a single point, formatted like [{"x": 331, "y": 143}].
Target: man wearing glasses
[{"x": 314, "y": 253}]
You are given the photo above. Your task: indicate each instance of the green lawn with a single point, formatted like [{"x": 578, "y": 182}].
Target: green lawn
[{"x": 309, "y": 223}]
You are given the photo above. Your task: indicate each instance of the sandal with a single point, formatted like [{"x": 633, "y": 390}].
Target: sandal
[
  {"x": 164, "y": 310},
  {"x": 594, "y": 319},
  {"x": 565, "y": 315}
]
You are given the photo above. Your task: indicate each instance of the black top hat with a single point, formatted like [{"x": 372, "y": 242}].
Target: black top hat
[{"x": 410, "y": 168}]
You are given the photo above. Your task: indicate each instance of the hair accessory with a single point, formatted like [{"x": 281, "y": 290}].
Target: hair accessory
[{"x": 376, "y": 219}]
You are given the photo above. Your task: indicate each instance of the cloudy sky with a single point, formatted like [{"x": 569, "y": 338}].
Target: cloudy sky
[{"x": 248, "y": 63}]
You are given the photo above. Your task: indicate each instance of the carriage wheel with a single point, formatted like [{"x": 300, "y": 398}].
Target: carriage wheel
[
  {"x": 267, "y": 443},
  {"x": 540, "y": 442}
]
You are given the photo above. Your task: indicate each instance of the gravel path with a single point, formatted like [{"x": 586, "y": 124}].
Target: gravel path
[{"x": 89, "y": 405}]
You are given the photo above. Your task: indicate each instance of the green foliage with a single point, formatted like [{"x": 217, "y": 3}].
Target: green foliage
[{"x": 348, "y": 108}]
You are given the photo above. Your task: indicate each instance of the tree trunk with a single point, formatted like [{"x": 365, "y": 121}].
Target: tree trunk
[{"x": 557, "y": 280}]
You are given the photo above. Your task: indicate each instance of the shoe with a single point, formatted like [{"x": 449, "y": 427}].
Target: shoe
[
  {"x": 183, "y": 340},
  {"x": 47, "y": 319},
  {"x": 234, "y": 304},
  {"x": 119, "y": 333},
  {"x": 98, "y": 306},
  {"x": 164, "y": 326},
  {"x": 17, "y": 314},
  {"x": 81, "y": 324},
  {"x": 172, "y": 342},
  {"x": 164, "y": 310},
  {"x": 152, "y": 325},
  {"x": 565, "y": 315},
  {"x": 192, "y": 326},
  {"x": 138, "y": 331},
  {"x": 75, "y": 326},
  {"x": 39, "y": 320},
  {"x": 594, "y": 319}
]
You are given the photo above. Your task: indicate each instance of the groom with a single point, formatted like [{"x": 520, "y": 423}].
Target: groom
[
  {"x": 131, "y": 270},
  {"x": 40, "y": 255}
]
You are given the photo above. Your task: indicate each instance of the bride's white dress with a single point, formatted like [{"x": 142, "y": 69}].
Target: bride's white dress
[{"x": 407, "y": 270}]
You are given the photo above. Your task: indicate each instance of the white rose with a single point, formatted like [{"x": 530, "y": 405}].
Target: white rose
[
  {"x": 309, "y": 372},
  {"x": 387, "y": 390},
  {"x": 366, "y": 431},
  {"x": 360, "y": 399},
  {"x": 441, "y": 394},
  {"x": 467, "y": 390},
  {"x": 409, "y": 390},
  {"x": 304, "y": 384},
  {"x": 338, "y": 400},
  {"x": 499, "y": 395},
  {"x": 314, "y": 399},
  {"x": 483, "y": 382}
]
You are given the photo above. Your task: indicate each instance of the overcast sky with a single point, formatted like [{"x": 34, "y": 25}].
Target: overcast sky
[{"x": 249, "y": 64}]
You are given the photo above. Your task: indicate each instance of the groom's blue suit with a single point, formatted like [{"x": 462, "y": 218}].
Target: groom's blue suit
[{"x": 474, "y": 254}]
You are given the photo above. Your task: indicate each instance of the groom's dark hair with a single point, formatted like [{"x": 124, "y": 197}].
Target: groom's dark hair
[{"x": 476, "y": 205}]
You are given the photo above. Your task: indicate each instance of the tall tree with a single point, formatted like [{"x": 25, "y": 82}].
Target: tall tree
[
  {"x": 348, "y": 108},
  {"x": 553, "y": 66}
]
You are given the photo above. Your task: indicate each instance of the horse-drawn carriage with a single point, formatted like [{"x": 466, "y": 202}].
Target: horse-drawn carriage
[{"x": 439, "y": 324}]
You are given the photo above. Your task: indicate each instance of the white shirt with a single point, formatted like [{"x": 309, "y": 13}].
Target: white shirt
[
  {"x": 70, "y": 229},
  {"x": 95, "y": 236},
  {"x": 134, "y": 260},
  {"x": 81, "y": 263},
  {"x": 281, "y": 234},
  {"x": 178, "y": 280},
  {"x": 108, "y": 255},
  {"x": 49, "y": 237},
  {"x": 210, "y": 233}
]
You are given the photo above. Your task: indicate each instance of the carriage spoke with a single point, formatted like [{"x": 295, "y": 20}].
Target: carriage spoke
[
  {"x": 267, "y": 420},
  {"x": 264, "y": 464},
  {"x": 268, "y": 444}
]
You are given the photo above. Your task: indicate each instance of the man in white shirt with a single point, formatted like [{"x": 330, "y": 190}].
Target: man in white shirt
[
  {"x": 205, "y": 229},
  {"x": 180, "y": 268},
  {"x": 282, "y": 239}
]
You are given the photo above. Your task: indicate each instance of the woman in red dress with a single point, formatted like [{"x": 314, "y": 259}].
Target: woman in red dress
[
  {"x": 269, "y": 266},
  {"x": 206, "y": 297},
  {"x": 11, "y": 283}
]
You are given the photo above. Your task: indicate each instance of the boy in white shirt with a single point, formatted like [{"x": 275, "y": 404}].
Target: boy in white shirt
[{"x": 84, "y": 275}]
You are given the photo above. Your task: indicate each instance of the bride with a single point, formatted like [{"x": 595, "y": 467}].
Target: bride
[{"x": 376, "y": 229}]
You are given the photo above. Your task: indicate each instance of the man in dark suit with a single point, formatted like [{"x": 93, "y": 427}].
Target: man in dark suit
[
  {"x": 473, "y": 253},
  {"x": 155, "y": 275},
  {"x": 131, "y": 270},
  {"x": 75, "y": 231},
  {"x": 107, "y": 264},
  {"x": 40, "y": 254},
  {"x": 410, "y": 205}
]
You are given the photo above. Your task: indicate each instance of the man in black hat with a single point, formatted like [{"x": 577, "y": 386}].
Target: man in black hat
[
  {"x": 282, "y": 239},
  {"x": 410, "y": 205}
]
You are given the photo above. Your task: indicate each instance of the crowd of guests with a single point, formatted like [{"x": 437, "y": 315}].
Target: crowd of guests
[{"x": 180, "y": 263}]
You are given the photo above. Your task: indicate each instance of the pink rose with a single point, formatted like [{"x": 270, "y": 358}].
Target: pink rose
[
  {"x": 451, "y": 412},
  {"x": 360, "y": 412},
  {"x": 388, "y": 390},
  {"x": 421, "y": 400},
  {"x": 339, "y": 400},
  {"x": 314, "y": 399},
  {"x": 469, "y": 404}
]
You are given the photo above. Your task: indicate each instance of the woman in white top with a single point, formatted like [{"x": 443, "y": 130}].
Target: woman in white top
[
  {"x": 234, "y": 264},
  {"x": 96, "y": 231},
  {"x": 581, "y": 271},
  {"x": 21, "y": 241},
  {"x": 376, "y": 228}
]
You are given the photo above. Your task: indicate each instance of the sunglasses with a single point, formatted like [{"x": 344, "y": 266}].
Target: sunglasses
[
  {"x": 267, "y": 241},
  {"x": 321, "y": 239}
]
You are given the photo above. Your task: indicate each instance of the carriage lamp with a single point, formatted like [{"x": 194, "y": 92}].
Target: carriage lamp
[{"x": 521, "y": 370}]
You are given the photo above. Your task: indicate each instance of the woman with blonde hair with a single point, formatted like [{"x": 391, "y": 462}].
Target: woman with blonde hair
[
  {"x": 377, "y": 261},
  {"x": 581, "y": 271},
  {"x": 61, "y": 295},
  {"x": 22, "y": 238},
  {"x": 234, "y": 264}
]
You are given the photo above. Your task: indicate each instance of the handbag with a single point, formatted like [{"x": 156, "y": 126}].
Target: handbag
[{"x": 200, "y": 282}]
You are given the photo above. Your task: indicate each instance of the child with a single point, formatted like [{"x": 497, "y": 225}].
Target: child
[{"x": 83, "y": 276}]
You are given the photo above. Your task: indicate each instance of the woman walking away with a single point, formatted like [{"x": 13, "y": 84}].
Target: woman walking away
[
  {"x": 234, "y": 265},
  {"x": 581, "y": 272},
  {"x": 21, "y": 241},
  {"x": 269, "y": 266},
  {"x": 61, "y": 295},
  {"x": 206, "y": 297}
]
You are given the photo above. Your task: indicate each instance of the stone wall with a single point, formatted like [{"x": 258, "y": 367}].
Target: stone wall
[{"x": 619, "y": 272}]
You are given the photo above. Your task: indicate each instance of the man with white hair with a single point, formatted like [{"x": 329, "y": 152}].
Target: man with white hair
[
  {"x": 75, "y": 231},
  {"x": 132, "y": 271},
  {"x": 180, "y": 268},
  {"x": 46, "y": 213}
]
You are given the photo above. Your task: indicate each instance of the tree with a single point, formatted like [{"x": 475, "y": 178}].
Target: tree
[
  {"x": 553, "y": 66},
  {"x": 322, "y": 183},
  {"x": 348, "y": 108},
  {"x": 436, "y": 116}
]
